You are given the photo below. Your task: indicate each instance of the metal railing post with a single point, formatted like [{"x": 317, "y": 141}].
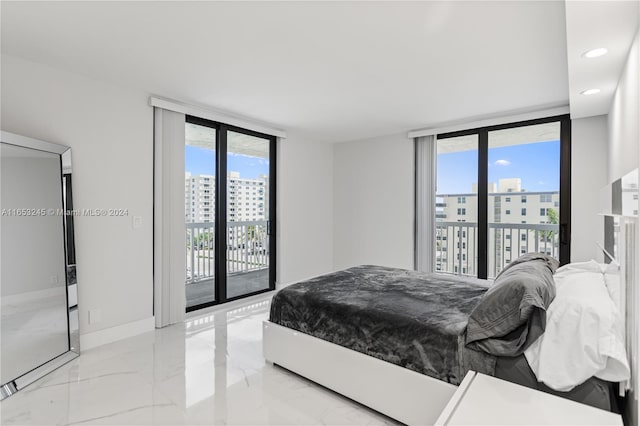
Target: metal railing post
[
  {"x": 459, "y": 248},
  {"x": 498, "y": 232},
  {"x": 246, "y": 250}
]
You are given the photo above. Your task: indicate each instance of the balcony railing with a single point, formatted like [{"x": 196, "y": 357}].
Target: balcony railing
[
  {"x": 456, "y": 243},
  {"x": 247, "y": 248}
]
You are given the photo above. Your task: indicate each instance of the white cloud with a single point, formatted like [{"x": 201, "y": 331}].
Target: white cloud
[{"x": 502, "y": 162}]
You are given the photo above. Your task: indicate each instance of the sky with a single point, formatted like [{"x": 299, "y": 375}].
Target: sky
[
  {"x": 536, "y": 164},
  {"x": 202, "y": 161}
]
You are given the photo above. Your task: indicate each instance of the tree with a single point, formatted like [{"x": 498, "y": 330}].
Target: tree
[
  {"x": 552, "y": 215},
  {"x": 251, "y": 232}
]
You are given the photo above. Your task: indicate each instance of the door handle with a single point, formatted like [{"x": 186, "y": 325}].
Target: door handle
[{"x": 563, "y": 234}]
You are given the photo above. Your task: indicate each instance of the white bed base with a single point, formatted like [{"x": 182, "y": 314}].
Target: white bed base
[{"x": 402, "y": 394}]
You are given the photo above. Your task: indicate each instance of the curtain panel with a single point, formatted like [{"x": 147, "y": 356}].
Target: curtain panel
[
  {"x": 169, "y": 246},
  {"x": 425, "y": 149}
]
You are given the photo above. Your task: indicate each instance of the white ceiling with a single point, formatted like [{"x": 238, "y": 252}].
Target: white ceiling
[
  {"x": 331, "y": 71},
  {"x": 590, "y": 25}
]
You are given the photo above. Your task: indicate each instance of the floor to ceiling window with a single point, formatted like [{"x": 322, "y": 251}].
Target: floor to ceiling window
[
  {"x": 248, "y": 216},
  {"x": 502, "y": 191},
  {"x": 229, "y": 212},
  {"x": 200, "y": 211},
  {"x": 456, "y": 205}
]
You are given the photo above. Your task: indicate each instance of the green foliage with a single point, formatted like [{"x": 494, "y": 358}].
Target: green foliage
[{"x": 552, "y": 214}]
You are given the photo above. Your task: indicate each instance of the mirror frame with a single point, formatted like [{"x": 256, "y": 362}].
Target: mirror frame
[{"x": 64, "y": 152}]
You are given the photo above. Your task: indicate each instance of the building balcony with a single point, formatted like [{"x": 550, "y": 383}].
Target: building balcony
[
  {"x": 457, "y": 242},
  {"x": 247, "y": 258}
]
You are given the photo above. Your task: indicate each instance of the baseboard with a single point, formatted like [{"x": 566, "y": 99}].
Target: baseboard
[{"x": 109, "y": 335}]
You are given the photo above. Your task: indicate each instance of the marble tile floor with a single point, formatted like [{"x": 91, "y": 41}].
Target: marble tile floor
[{"x": 207, "y": 370}]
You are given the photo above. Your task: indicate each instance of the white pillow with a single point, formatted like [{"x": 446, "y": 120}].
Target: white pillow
[
  {"x": 611, "y": 273},
  {"x": 612, "y": 281},
  {"x": 584, "y": 332},
  {"x": 590, "y": 266}
]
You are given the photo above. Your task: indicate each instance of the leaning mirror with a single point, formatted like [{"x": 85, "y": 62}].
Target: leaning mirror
[{"x": 38, "y": 286}]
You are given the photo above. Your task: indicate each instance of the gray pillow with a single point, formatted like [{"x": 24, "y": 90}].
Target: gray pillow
[
  {"x": 512, "y": 313},
  {"x": 551, "y": 262}
]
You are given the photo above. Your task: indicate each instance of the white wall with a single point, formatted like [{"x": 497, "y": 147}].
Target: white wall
[
  {"x": 588, "y": 155},
  {"x": 304, "y": 209},
  {"x": 374, "y": 202},
  {"x": 624, "y": 121},
  {"x": 624, "y": 155},
  {"x": 110, "y": 131}
]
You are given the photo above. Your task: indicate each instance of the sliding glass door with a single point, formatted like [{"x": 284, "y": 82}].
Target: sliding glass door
[
  {"x": 229, "y": 212},
  {"x": 248, "y": 226},
  {"x": 502, "y": 191},
  {"x": 200, "y": 212},
  {"x": 523, "y": 193},
  {"x": 456, "y": 211}
]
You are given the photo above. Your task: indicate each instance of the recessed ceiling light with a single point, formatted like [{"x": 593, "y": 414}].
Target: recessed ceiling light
[
  {"x": 594, "y": 53},
  {"x": 590, "y": 92}
]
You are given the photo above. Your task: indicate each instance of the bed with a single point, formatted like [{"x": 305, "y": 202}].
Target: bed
[
  {"x": 407, "y": 318},
  {"x": 400, "y": 341}
]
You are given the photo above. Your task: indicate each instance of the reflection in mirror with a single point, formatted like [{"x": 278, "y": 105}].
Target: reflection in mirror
[
  {"x": 37, "y": 280},
  {"x": 611, "y": 238},
  {"x": 629, "y": 189},
  {"x": 621, "y": 196}
]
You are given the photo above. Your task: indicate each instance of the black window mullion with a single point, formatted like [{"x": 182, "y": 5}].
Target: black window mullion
[
  {"x": 221, "y": 215},
  {"x": 272, "y": 212},
  {"x": 565, "y": 191},
  {"x": 483, "y": 190}
]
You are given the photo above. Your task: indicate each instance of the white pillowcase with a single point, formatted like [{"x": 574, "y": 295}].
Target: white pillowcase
[
  {"x": 590, "y": 266},
  {"x": 584, "y": 334}
]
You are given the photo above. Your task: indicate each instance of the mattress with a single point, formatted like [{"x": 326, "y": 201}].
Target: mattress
[
  {"x": 411, "y": 319},
  {"x": 595, "y": 392}
]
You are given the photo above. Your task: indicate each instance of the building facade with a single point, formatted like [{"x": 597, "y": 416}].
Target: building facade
[
  {"x": 247, "y": 199},
  {"x": 519, "y": 222}
]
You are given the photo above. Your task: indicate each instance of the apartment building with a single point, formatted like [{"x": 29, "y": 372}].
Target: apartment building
[
  {"x": 200, "y": 196},
  {"x": 519, "y": 222},
  {"x": 247, "y": 198}
]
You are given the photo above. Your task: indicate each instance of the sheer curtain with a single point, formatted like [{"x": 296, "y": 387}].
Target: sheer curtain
[
  {"x": 169, "y": 248},
  {"x": 425, "y": 148}
]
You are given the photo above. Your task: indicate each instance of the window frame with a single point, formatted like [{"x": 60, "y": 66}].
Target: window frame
[
  {"x": 222, "y": 196},
  {"x": 564, "y": 226}
]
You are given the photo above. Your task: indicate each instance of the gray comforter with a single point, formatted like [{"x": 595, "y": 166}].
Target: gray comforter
[{"x": 408, "y": 318}]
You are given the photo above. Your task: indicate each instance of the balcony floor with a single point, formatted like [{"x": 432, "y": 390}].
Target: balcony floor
[{"x": 237, "y": 285}]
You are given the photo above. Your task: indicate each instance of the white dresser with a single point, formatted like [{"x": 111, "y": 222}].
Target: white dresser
[{"x": 486, "y": 400}]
